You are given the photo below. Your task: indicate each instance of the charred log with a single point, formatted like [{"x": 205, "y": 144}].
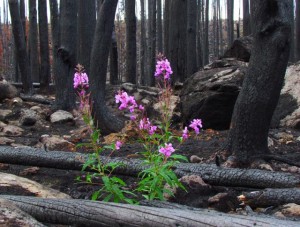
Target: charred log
[{"x": 211, "y": 174}]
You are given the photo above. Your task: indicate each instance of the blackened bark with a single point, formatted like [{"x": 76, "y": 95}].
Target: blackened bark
[
  {"x": 19, "y": 38},
  {"x": 159, "y": 28},
  {"x": 211, "y": 174},
  {"x": 113, "y": 57},
  {"x": 246, "y": 18},
  {"x": 44, "y": 46},
  {"x": 230, "y": 23},
  {"x": 33, "y": 42},
  {"x": 95, "y": 213},
  {"x": 166, "y": 27},
  {"x": 297, "y": 30},
  {"x": 191, "y": 37},
  {"x": 65, "y": 95},
  {"x": 22, "y": 15},
  {"x": 261, "y": 87},
  {"x": 143, "y": 43},
  {"x": 271, "y": 197},
  {"x": 104, "y": 118},
  {"x": 86, "y": 30},
  {"x": 130, "y": 21},
  {"x": 199, "y": 34},
  {"x": 177, "y": 39},
  {"x": 206, "y": 30},
  {"x": 55, "y": 37}
]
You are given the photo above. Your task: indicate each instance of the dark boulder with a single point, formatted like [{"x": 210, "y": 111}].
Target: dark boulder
[
  {"x": 210, "y": 94},
  {"x": 240, "y": 49},
  {"x": 7, "y": 90}
]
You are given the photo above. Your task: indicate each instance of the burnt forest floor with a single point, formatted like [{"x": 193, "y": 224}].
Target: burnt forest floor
[{"x": 283, "y": 141}]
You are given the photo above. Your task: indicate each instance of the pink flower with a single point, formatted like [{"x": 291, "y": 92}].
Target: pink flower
[
  {"x": 132, "y": 117},
  {"x": 126, "y": 101},
  {"x": 196, "y": 124},
  {"x": 163, "y": 68},
  {"x": 81, "y": 80},
  {"x": 167, "y": 150},
  {"x": 152, "y": 130},
  {"x": 185, "y": 133},
  {"x": 118, "y": 145},
  {"x": 141, "y": 107},
  {"x": 144, "y": 124}
]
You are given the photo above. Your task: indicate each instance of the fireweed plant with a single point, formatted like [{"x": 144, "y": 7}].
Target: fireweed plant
[
  {"x": 158, "y": 154},
  {"x": 111, "y": 188}
]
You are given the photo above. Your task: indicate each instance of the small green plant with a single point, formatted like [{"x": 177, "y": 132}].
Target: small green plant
[{"x": 98, "y": 172}]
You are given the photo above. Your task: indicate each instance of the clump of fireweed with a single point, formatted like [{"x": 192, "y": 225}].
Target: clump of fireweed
[
  {"x": 159, "y": 155},
  {"x": 112, "y": 188}
]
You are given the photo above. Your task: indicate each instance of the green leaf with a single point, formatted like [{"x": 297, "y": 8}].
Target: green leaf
[
  {"x": 179, "y": 157},
  {"x": 108, "y": 198},
  {"x": 95, "y": 195}
]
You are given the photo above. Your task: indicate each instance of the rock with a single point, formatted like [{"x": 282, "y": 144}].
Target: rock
[
  {"x": 291, "y": 210},
  {"x": 4, "y": 114},
  {"x": 61, "y": 116},
  {"x": 128, "y": 87},
  {"x": 270, "y": 142},
  {"x": 287, "y": 112},
  {"x": 240, "y": 49},
  {"x": 193, "y": 181},
  {"x": 2, "y": 125},
  {"x": 195, "y": 159},
  {"x": 5, "y": 141},
  {"x": 211, "y": 94},
  {"x": 8, "y": 91},
  {"x": 55, "y": 143},
  {"x": 28, "y": 117},
  {"x": 12, "y": 130}
]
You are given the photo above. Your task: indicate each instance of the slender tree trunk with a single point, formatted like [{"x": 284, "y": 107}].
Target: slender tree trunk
[
  {"x": 230, "y": 23},
  {"x": 86, "y": 29},
  {"x": 105, "y": 119},
  {"x": 19, "y": 38},
  {"x": 246, "y": 18},
  {"x": 191, "y": 37},
  {"x": 206, "y": 43},
  {"x": 65, "y": 95},
  {"x": 177, "y": 39},
  {"x": 143, "y": 43},
  {"x": 263, "y": 81},
  {"x": 297, "y": 30},
  {"x": 292, "y": 50},
  {"x": 199, "y": 34},
  {"x": 44, "y": 46},
  {"x": 33, "y": 42},
  {"x": 22, "y": 15},
  {"x": 166, "y": 28},
  {"x": 159, "y": 28},
  {"x": 130, "y": 21},
  {"x": 221, "y": 31},
  {"x": 114, "y": 72}
]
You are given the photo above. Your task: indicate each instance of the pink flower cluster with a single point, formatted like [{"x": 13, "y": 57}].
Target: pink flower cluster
[
  {"x": 118, "y": 145},
  {"x": 196, "y": 124},
  {"x": 163, "y": 68},
  {"x": 146, "y": 125},
  {"x": 81, "y": 81},
  {"x": 127, "y": 102},
  {"x": 167, "y": 150}
]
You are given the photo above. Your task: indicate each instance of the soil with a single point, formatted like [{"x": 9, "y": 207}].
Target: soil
[{"x": 206, "y": 146}]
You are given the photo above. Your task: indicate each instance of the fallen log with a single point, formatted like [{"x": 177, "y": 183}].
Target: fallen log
[
  {"x": 10, "y": 182},
  {"x": 10, "y": 215},
  {"x": 270, "y": 197},
  {"x": 211, "y": 174},
  {"x": 94, "y": 213}
]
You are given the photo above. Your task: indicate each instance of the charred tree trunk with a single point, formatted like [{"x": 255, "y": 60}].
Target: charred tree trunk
[
  {"x": 86, "y": 30},
  {"x": 113, "y": 57},
  {"x": 33, "y": 42},
  {"x": 191, "y": 37},
  {"x": 65, "y": 95},
  {"x": 44, "y": 46},
  {"x": 199, "y": 34},
  {"x": 159, "y": 28},
  {"x": 143, "y": 43},
  {"x": 246, "y": 18},
  {"x": 211, "y": 174},
  {"x": 55, "y": 37},
  {"x": 130, "y": 21},
  {"x": 177, "y": 39},
  {"x": 166, "y": 27},
  {"x": 104, "y": 118},
  {"x": 19, "y": 38},
  {"x": 230, "y": 23},
  {"x": 297, "y": 30},
  {"x": 92, "y": 213},
  {"x": 206, "y": 30},
  {"x": 263, "y": 81}
]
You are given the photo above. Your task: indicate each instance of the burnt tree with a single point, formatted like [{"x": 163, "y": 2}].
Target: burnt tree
[
  {"x": 297, "y": 30},
  {"x": 19, "y": 38},
  {"x": 104, "y": 118},
  {"x": 263, "y": 81},
  {"x": 65, "y": 95},
  {"x": 44, "y": 46},
  {"x": 246, "y": 18}
]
